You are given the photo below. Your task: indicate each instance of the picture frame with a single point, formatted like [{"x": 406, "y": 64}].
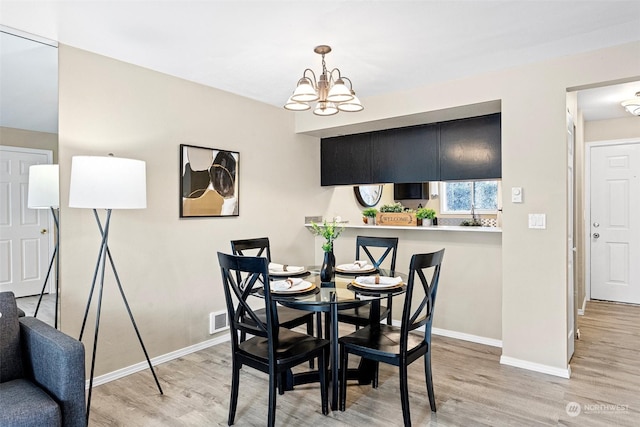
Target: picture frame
[{"x": 209, "y": 183}]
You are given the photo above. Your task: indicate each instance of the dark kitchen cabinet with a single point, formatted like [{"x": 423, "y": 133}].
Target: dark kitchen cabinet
[
  {"x": 346, "y": 160},
  {"x": 458, "y": 150},
  {"x": 470, "y": 149},
  {"x": 405, "y": 155}
]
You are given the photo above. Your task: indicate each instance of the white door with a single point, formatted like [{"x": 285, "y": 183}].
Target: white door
[
  {"x": 615, "y": 222},
  {"x": 571, "y": 312},
  {"x": 25, "y": 240}
]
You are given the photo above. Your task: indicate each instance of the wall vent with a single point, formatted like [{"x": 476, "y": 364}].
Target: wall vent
[{"x": 218, "y": 321}]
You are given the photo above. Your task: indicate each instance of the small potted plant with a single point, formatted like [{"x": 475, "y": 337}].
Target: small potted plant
[
  {"x": 330, "y": 231},
  {"x": 425, "y": 216},
  {"x": 393, "y": 208},
  {"x": 369, "y": 216}
]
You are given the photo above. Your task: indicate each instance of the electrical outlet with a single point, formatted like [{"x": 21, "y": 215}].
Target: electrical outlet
[{"x": 218, "y": 321}]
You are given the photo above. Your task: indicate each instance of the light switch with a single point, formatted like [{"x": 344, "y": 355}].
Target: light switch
[
  {"x": 516, "y": 195},
  {"x": 538, "y": 221}
]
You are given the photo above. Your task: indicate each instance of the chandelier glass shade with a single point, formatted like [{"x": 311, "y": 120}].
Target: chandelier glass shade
[
  {"x": 632, "y": 105},
  {"x": 330, "y": 91}
]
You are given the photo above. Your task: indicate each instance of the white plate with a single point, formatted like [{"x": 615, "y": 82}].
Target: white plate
[
  {"x": 300, "y": 287},
  {"x": 291, "y": 271},
  {"x": 385, "y": 283},
  {"x": 348, "y": 268}
]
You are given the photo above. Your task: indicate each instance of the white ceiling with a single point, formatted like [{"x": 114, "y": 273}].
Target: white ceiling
[{"x": 258, "y": 49}]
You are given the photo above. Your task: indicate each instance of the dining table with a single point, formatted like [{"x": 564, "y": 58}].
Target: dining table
[{"x": 343, "y": 292}]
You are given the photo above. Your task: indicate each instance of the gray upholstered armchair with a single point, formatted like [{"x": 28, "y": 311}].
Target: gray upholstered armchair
[{"x": 41, "y": 372}]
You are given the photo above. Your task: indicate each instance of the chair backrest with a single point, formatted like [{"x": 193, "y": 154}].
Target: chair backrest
[
  {"x": 241, "y": 277},
  {"x": 416, "y": 314},
  {"x": 389, "y": 244},
  {"x": 252, "y": 247}
]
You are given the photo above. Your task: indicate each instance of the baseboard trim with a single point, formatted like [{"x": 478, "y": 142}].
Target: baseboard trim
[
  {"x": 536, "y": 367},
  {"x": 460, "y": 336},
  {"x": 120, "y": 373},
  {"x": 467, "y": 337},
  {"x": 584, "y": 307}
]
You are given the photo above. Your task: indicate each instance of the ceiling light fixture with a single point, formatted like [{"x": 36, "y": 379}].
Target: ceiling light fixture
[
  {"x": 632, "y": 105},
  {"x": 330, "y": 91}
]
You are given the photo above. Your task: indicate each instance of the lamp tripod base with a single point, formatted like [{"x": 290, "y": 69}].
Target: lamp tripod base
[
  {"x": 100, "y": 268},
  {"x": 54, "y": 257}
]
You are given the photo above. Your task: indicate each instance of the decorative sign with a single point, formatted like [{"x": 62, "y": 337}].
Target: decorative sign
[{"x": 392, "y": 218}]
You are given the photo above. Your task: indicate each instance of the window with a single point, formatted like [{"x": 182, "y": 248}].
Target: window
[{"x": 458, "y": 197}]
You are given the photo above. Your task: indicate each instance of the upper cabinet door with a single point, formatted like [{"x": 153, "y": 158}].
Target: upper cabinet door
[
  {"x": 470, "y": 149},
  {"x": 345, "y": 160},
  {"x": 406, "y": 155}
]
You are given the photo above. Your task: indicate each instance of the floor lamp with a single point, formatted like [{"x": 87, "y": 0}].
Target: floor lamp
[
  {"x": 99, "y": 182},
  {"x": 44, "y": 193}
]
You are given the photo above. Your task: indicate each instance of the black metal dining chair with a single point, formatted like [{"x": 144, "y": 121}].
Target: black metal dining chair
[
  {"x": 288, "y": 317},
  {"x": 271, "y": 349},
  {"x": 386, "y": 248},
  {"x": 401, "y": 346}
]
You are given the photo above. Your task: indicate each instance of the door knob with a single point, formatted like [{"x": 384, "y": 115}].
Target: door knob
[
  {"x": 596, "y": 235},
  {"x": 44, "y": 231},
  {"x": 596, "y": 225}
]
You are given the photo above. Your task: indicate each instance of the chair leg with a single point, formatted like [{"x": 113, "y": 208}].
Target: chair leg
[
  {"x": 319, "y": 324},
  {"x": 235, "y": 384},
  {"x": 282, "y": 381},
  {"x": 344, "y": 367},
  {"x": 389, "y": 307},
  {"x": 273, "y": 379},
  {"x": 404, "y": 395},
  {"x": 323, "y": 366},
  {"x": 376, "y": 370},
  {"x": 429, "y": 377},
  {"x": 310, "y": 332}
]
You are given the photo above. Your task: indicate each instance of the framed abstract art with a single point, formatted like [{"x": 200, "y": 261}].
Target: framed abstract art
[{"x": 208, "y": 182}]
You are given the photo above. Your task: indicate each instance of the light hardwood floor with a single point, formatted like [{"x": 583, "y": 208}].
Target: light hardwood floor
[
  {"x": 471, "y": 387},
  {"x": 46, "y": 310}
]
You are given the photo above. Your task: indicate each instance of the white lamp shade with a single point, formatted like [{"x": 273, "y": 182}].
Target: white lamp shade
[
  {"x": 44, "y": 187},
  {"x": 99, "y": 182},
  {"x": 339, "y": 92},
  {"x": 304, "y": 92},
  {"x": 325, "y": 109},
  {"x": 352, "y": 106},
  {"x": 296, "y": 106}
]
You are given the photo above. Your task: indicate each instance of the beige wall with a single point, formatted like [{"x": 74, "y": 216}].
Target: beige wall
[
  {"x": 533, "y": 105},
  {"x": 167, "y": 265},
  {"x": 469, "y": 296},
  {"x": 607, "y": 130},
  {"x": 30, "y": 139}
]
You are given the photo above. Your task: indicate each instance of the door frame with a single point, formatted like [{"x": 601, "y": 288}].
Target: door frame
[
  {"x": 50, "y": 241},
  {"x": 587, "y": 203},
  {"x": 571, "y": 238}
]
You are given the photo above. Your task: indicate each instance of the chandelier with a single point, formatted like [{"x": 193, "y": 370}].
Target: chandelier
[
  {"x": 632, "y": 105},
  {"x": 330, "y": 91}
]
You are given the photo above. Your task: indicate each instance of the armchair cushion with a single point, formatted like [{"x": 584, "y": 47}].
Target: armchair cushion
[
  {"x": 55, "y": 362},
  {"x": 24, "y": 404},
  {"x": 41, "y": 372},
  {"x": 10, "y": 354}
]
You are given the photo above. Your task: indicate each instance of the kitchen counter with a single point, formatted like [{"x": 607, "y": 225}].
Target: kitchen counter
[{"x": 458, "y": 228}]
